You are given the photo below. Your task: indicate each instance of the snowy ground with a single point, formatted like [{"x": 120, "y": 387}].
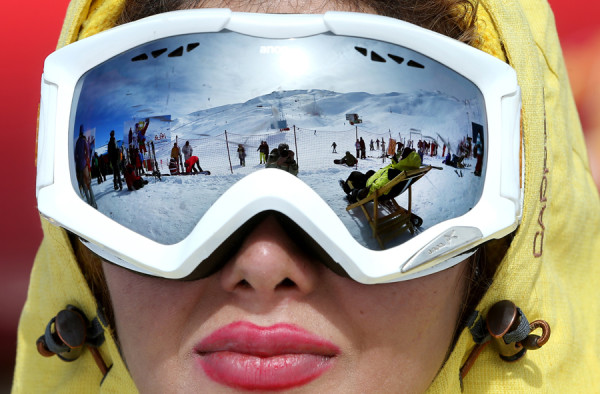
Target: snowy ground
[{"x": 167, "y": 210}]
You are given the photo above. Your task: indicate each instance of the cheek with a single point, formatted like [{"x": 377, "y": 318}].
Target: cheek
[
  {"x": 393, "y": 326},
  {"x": 150, "y": 316},
  {"x": 425, "y": 302}
]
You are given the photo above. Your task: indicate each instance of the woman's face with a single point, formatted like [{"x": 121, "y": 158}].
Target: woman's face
[{"x": 273, "y": 318}]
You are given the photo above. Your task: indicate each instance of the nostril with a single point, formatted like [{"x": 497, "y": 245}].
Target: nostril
[
  {"x": 244, "y": 284},
  {"x": 287, "y": 282}
]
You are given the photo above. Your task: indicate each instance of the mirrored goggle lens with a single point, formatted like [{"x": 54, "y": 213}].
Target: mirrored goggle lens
[{"x": 204, "y": 110}]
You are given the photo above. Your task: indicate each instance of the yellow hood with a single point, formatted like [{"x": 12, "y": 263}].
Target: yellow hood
[{"x": 551, "y": 270}]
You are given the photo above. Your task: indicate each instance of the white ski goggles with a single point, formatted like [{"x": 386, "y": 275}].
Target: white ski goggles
[{"x": 229, "y": 82}]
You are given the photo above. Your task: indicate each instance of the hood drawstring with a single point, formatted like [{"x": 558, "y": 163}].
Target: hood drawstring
[
  {"x": 509, "y": 328},
  {"x": 67, "y": 332}
]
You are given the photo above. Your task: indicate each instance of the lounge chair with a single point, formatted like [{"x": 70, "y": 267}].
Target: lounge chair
[{"x": 387, "y": 218}]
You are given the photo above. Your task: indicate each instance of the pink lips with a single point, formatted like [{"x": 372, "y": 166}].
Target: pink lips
[{"x": 243, "y": 355}]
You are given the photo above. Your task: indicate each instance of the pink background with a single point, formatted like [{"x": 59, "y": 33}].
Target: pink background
[{"x": 31, "y": 33}]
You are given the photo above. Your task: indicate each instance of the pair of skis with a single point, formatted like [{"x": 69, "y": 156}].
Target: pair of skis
[{"x": 155, "y": 170}]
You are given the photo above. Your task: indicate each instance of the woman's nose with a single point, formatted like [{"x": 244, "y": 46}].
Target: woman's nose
[{"x": 270, "y": 263}]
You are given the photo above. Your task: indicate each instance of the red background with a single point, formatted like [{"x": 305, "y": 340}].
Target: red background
[{"x": 31, "y": 29}]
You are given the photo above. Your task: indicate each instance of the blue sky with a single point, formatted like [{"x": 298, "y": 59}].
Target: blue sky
[{"x": 228, "y": 68}]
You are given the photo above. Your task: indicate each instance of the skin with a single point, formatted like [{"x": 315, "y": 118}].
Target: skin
[
  {"x": 383, "y": 331},
  {"x": 392, "y": 337}
]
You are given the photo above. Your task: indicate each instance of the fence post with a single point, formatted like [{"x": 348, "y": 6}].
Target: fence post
[
  {"x": 228, "y": 154},
  {"x": 180, "y": 163},
  {"x": 296, "y": 145}
]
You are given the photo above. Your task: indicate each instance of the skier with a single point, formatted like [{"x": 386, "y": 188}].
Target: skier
[
  {"x": 263, "y": 148},
  {"x": 478, "y": 152},
  {"x": 334, "y": 145},
  {"x": 138, "y": 162},
  {"x": 399, "y": 148},
  {"x": 103, "y": 164},
  {"x": 173, "y": 168},
  {"x": 96, "y": 168},
  {"x": 241, "y": 154},
  {"x": 114, "y": 156},
  {"x": 363, "y": 149},
  {"x": 187, "y": 150},
  {"x": 133, "y": 181},
  {"x": 348, "y": 160},
  {"x": 192, "y": 165},
  {"x": 453, "y": 160},
  {"x": 355, "y": 183},
  {"x": 175, "y": 155},
  {"x": 283, "y": 158},
  {"x": 82, "y": 168}
]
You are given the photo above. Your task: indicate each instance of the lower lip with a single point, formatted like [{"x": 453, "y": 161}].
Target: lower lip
[
  {"x": 250, "y": 371},
  {"x": 263, "y": 373}
]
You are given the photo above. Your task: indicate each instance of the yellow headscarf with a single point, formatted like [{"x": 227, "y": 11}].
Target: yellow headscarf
[{"x": 551, "y": 270}]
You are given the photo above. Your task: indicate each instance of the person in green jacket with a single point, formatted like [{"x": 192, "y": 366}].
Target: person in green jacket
[{"x": 410, "y": 161}]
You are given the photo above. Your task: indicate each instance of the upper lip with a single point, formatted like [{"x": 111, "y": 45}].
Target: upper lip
[{"x": 282, "y": 338}]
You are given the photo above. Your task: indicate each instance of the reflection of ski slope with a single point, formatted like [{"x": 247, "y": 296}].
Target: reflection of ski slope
[
  {"x": 399, "y": 111},
  {"x": 167, "y": 210},
  {"x": 394, "y": 114}
]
